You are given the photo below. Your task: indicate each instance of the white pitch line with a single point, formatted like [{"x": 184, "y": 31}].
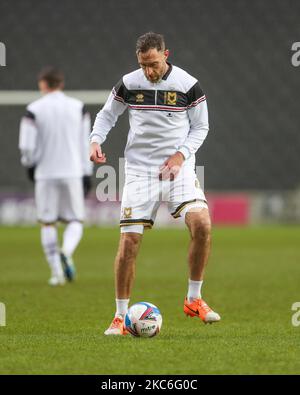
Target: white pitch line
[{"x": 16, "y": 98}]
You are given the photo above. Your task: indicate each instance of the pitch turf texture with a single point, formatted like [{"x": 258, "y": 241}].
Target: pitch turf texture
[{"x": 252, "y": 280}]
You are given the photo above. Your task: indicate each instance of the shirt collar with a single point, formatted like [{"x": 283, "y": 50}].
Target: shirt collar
[
  {"x": 168, "y": 71},
  {"x": 56, "y": 92}
]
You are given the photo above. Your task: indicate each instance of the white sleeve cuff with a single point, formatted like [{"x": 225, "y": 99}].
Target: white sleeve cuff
[
  {"x": 96, "y": 139},
  {"x": 185, "y": 152}
]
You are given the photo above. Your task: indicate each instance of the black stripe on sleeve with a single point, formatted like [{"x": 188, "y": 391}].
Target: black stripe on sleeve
[
  {"x": 120, "y": 90},
  {"x": 194, "y": 93},
  {"x": 29, "y": 115}
]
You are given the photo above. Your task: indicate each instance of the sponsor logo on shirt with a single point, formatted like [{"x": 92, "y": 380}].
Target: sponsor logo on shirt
[{"x": 139, "y": 98}]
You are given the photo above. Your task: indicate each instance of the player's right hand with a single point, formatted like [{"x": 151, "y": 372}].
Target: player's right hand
[{"x": 96, "y": 154}]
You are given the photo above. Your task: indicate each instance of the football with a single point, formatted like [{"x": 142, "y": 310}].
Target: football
[{"x": 143, "y": 319}]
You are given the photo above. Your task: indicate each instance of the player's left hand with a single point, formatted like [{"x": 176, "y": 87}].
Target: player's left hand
[
  {"x": 171, "y": 167},
  {"x": 87, "y": 184},
  {"x": 30, "y": 173}
]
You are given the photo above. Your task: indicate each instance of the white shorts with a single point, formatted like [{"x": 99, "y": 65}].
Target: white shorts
[
  {"x": 59, "y": 200},
  {"x": 143, "y": 194}
]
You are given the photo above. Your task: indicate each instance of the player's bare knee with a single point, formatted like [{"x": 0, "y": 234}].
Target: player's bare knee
[
  {"x": 200, "y": 228},
  {"x": 129, "y": 245}
]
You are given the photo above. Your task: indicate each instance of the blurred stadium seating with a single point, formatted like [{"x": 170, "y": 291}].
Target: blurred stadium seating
[{"x": 240, "y": 53}]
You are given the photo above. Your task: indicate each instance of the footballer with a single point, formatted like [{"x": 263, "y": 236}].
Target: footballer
[
  {"x": 168, "y": 123},
  {"x": 54, "y": 144}
]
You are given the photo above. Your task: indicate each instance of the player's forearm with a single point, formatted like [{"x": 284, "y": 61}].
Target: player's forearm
[
  {"x": 28, "y": 142},
  {"x": 104, "y": 122},
  {"x": 28, "y": 158},
  {"x": 198, "y": 117},
  {"x": 193, "y": 141},
  {"x": 100, "y": 129}
]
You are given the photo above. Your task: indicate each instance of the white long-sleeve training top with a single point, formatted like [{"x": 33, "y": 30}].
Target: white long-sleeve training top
[
  {"x": 54, "y": 137},
  {"x": 164, "y": 117}
]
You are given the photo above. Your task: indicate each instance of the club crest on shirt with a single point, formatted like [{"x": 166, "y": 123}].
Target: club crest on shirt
[
  {"x": 127, "y": 212},
  {"x": 139, "y": 98},
  {"x": 170, "y": 98},
  {"x": 197, "y": 183}
]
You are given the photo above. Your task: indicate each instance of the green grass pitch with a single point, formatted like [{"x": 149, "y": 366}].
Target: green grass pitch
[{"x": 252, "y": 280}]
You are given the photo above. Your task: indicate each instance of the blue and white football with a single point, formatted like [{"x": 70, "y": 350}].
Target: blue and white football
[{"x": 143, "y": 319}]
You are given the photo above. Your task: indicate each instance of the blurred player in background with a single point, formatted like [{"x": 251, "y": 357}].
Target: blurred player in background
[
  {"x": 168, "y": 123},
  {"x": 54, "y": 144}
]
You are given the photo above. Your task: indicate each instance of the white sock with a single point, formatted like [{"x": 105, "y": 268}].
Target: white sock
[
  {"x": 71, "y": 238},
  {"x": 194, "y": 290},
  {"x": 122, "y": 307},
  {"x": 50, "y": 247}
]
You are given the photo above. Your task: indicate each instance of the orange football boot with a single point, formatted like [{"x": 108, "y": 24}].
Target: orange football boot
[
  {"x": 116, "y": 327},
  {"x": 198, "y": 308}
]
